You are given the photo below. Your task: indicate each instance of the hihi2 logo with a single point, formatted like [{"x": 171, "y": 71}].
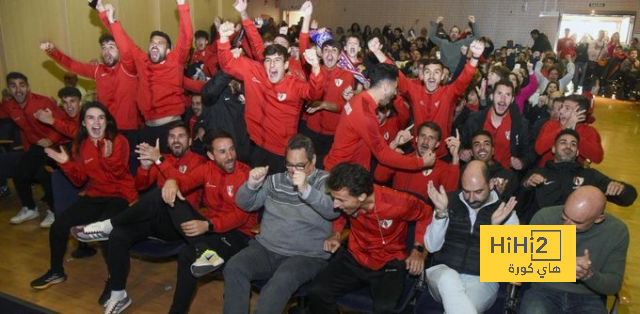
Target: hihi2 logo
[{"x": 527, "y": 253}]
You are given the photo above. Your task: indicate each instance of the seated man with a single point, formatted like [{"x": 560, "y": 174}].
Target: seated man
[
  {"x": 552, "y": 184},
  {"x": 377, "y": 253},
  {"x": 504, "y": 180},
  {"x": 441, "y": 173},
  {"x": 454, "y": 238},
  {"x": 602, "y": 241},
  {"x": 289, "y": 249}
]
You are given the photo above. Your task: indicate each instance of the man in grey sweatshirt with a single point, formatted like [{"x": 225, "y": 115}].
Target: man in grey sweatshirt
[
  {"x": 296, "y": 221},
  {"x": 450, "y": 49}
]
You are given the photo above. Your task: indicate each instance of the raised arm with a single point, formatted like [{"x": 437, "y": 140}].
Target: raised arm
[
  {"x": 84, "y": 69},
  {"x": 185, "y": 33}
]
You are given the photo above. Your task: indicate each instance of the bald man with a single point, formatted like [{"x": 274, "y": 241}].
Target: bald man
[
  {"x": 601, "y": 250},
  {"x": 454, "y": 239}
]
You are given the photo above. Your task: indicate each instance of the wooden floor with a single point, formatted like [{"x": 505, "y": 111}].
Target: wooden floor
[{"x": 24, "y": 252}]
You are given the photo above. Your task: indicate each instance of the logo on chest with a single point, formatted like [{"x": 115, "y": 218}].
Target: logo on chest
[
  {"x": 386, "y": 135},
  {"x": 578, "y": 181},
  {"x": 182, "y": 168},
  {"x": 230, "y": 190},
  {"x": 385, "y": 223},
  {"x": 282, "y": 96},
  {"x": 338, "y": 82},
  {"x": 347, "y": 108},
  {"x": 507, "y": 134}
]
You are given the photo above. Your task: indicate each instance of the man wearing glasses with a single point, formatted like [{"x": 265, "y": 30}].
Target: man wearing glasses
[{"x": 296, "y": 220}]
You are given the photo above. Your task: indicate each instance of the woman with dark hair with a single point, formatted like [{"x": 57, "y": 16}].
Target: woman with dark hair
[
  {"x": 99, "y": 162},
  {"x": 366, "y": 33},
  {"x": 355, "y": 29}
]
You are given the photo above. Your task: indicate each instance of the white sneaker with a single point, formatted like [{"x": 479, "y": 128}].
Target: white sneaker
[
  {"x": 48, "y": 220},
  {"x": 25, "y": 214}
]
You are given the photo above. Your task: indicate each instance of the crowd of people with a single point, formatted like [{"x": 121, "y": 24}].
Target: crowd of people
[{"x": 307, "y": 133}]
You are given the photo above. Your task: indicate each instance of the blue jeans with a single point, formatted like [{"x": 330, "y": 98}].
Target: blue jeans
[{"x": 540, "y": 300}]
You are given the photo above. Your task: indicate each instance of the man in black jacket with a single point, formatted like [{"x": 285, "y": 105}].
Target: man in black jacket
[
  {"x": 504, "y": 180},
  {"x": 552, "y": 184},
  {"x": 512, "y": 142}
]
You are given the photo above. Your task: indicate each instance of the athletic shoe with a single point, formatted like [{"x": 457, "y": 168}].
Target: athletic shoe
[
  {"x": 48, "y": 220},
  {"x": 90, "y": 233},
  {"x": 116, "y": 306},
  {"x": 206, "y": 263},
  {"x": 106, "y": 293},
  {"x": 4, "y": 191},
  {"x": 83, "y": 251},
  {"x": 48, "y": 279},
  {"x": 25, "y": 214}
]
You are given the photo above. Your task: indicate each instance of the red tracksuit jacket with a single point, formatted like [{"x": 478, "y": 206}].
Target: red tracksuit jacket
[
  {"x": 67, "y": 126},
  {"x": 272, "y": 111},
  {"x": 115, "y": 86},
  {"x": 185, "y": 164},
  {"x": 357, "y": 137},
  {"x": 396, "y": 121},
  {"x": 107, "y": 176},
  {"x": 160, "y": 92},
  {"x": 220, "y": 195},
  {"x": 441, "y": 173},
  {"x": 379, "y": 236},
  {"x": 336, "y": 81},
  {"x": 590, "y": 146},
  {"x": 437, "y": 107},
  {"x": 32, "y": 129}
]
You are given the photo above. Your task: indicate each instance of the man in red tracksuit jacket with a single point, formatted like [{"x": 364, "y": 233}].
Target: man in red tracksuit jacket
[
  {"x": 430, "y": 101},
  {"x": 357, "y": 136},
  {"x": 441, "y": 173},
  {"x": 116, "y": 82},
  {"x": 181, "y": 158},
  {"x": 273, "y": 99},
  {"x": 71, "y": 103},
  {"x": 377, "y": 250},
  {"x": 31, "y": 166},
  {"x": 160, "y": 73},
  {"x": 572, "y": 116}
]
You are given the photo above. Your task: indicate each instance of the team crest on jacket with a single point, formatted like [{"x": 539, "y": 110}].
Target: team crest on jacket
[
  {"x": 338, "y": 82},
  {"x": 386, "y": 135},
  {"x": 347, "y": 108},
  {"x": 437, "y": 104},
  {"x": 507, "y": 134},
  {"x": 182, "y": 168},
  {"x": 230, "y": 190},
  {"x": 577, "y": 181},
  {"x": 282, "y": 96},
  {"x": 385, "y": 223},
  {"x": 427, "y": 172}
]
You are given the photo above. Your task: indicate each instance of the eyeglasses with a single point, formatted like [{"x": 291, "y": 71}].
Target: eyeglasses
[{"x": 298, "y": 166}]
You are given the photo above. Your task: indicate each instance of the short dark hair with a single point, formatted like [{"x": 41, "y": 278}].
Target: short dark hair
[
  {"x": 504, "y": 82},
  {"x": 353, "y": 177},
  {"x": 300, "y": 141},
  {"x": 425, "y": 62},
  {"x": 104, "y": 38},
  {"x": 17, "y": 76},
  {"x": 356, "y": 36},
  {"x": 482, "y": 132},
  {"x": 583, "y": 102},
  {"x": 571, "y": 132},
  {"x": 332, "y": 43},
  {"x": 276, "y": 49},
  {"x": 283, "y": 36},
  {"x": 179, "y": 124},
  {"x": 535, "y": 32},
  {"x": 212, "y": 135},
  {"x": 382, "y": 72},
  {"x": 69, "y": 92},
  {"x": 554, "y": 68},
  {"x": 431, "y": 125},
  {"x": 201, "y": 34},
  {"x": 163, "y": 35}
]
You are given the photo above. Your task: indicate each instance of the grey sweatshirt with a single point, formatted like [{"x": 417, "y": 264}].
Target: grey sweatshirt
[
  {"x": 292, "y": 223},
  {"x": 450, "y": 52}
]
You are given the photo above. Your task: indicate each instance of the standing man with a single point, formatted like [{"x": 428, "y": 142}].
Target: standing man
[
  {"x": 377, "y": 253},
  {"x": 602, "y": 241},
  {"x": 450, "y": 48},
  {"x": 31, "y": 166}
]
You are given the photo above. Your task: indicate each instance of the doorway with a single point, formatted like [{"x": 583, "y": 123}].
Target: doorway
[{"x": 581, "y": 24}]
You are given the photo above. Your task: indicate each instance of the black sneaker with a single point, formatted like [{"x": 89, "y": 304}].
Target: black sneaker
[
  {"x": 106, "y": 293},
  {"x": 4, "y": 191},
  {"x": 48, "y": 279},
  {"x": 83, "y": 251}
]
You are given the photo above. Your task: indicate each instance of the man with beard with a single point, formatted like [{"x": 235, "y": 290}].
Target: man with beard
[
  {"x": 453, "y": 237},
  {"x": 223, "y": 226},
  {"x": 357, "y": 136},
  {"x": 31, "y": 166},
  {"x": 116, "y": 80},
  {"x": 450, "y": 49},
  {"x": 273, "y": 98},
  {"x": 513, "y": 145},
  {"x": 429, "y": 101},
  {"x": 160, "y": 73},
  {"x": 504, "y": 180},
  {"x": 552, "y": 184},
  {"x": 441, "y": 173},
  {"x": 572, "y": 116},
  {"x": 71, "y": 103}
]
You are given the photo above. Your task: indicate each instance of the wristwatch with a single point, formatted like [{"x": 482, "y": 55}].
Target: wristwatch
[
  {"x": 159, "y": 160},
  {"x": 209, "y": 226},
  {"x": 442, "y": 214},
  {"x": 419, "y": 248}
]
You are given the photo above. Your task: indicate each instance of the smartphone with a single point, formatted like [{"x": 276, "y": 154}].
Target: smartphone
[
  {"x": 438, "y": 55},
  {"x": 93, "y": 4}
]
